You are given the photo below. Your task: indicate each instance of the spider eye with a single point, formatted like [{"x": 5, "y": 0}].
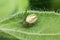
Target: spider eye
[{"x": 31, "y": 18}]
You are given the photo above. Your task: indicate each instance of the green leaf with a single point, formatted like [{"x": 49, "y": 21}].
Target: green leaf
[
  {"x": 47, "y": 27},
  {"x": 6, "y": 8},
  {"x": 5, "y": 36},
  {"x": 22, "y": 4},
  {"x": 10, "y": 7}
]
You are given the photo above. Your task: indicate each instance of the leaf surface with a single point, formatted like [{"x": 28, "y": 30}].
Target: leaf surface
[{"x": 47, "y": 27}]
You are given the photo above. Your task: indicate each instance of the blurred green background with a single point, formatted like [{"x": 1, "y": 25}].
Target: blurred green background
[{"x": 45, "y": 4}]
